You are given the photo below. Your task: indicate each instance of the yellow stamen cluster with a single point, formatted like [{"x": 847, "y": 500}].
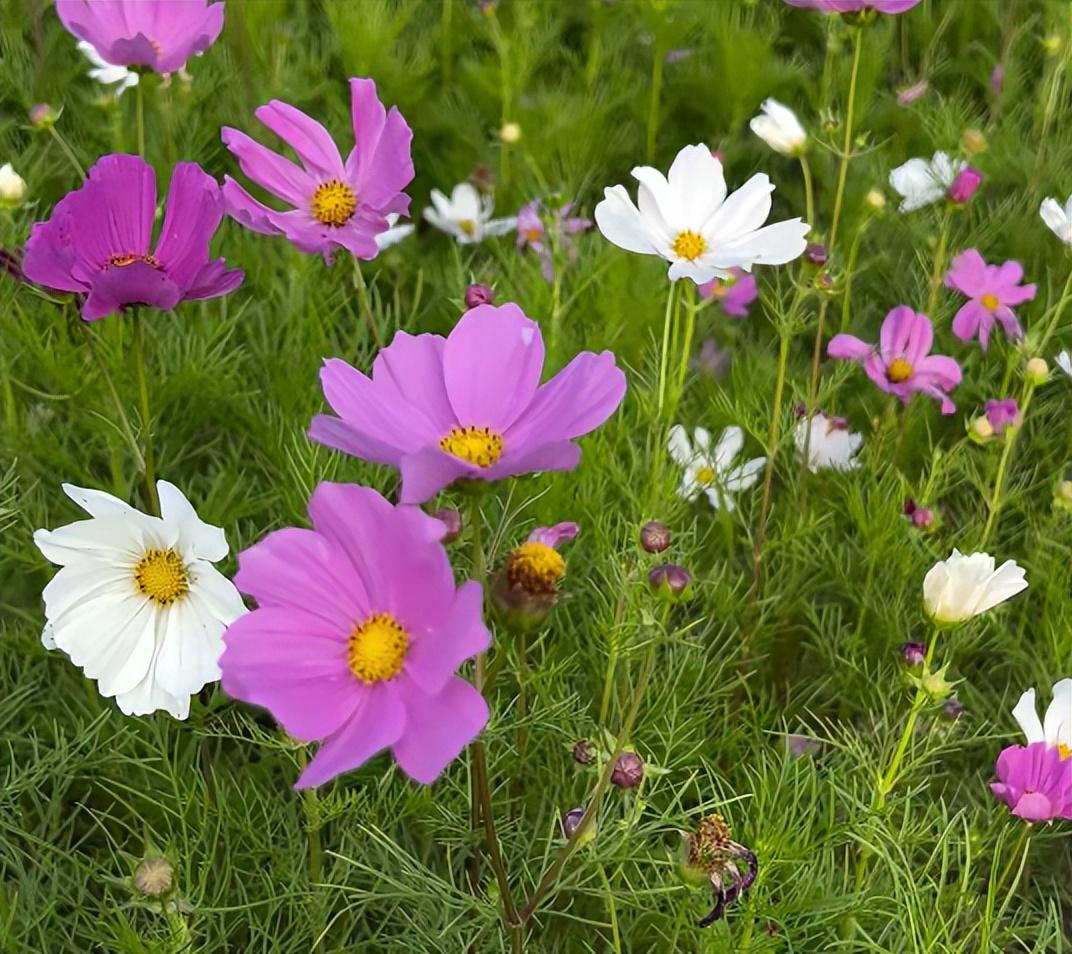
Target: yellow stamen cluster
[
  {"x": 689, "y": 245},
  {"x": 477, "y": 445},
  {"x": 333, "y": 203},
  {"x": 899, "y": 370},
  {"x": 990, "y": 302},
  {"x": 468, "y": 226},
  {"x": 535, "y": 569},
  {"x": 705, "y": 476},
  {"x": 161, "y": 576},
  {"x": 709, "y": 842},
  {"x": 377, "y": 649},
  {"x": 1066, "y": 752}
]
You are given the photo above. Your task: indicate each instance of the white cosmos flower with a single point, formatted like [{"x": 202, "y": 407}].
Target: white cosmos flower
[
  {"x": 831, "y": 446},
  {"x": 1058, "y": 219},
  {"x": 466, "y": 215},
  {"x": 105, "y": 73},
  {"x": 137, "y": 604},
  {"x": 922, "y": 182},
  {"x": 779, "y": 128},
  {"x": 395, "y": 233},
  {"x": 1055, "y": 729},
  {"x": 962, "y": 586},
  {"x": 1064, "y": 362},
  {"x": 687, "y": 218},
  {"x": 711, "y": 470},
  {"x": 12, "y": 185}
]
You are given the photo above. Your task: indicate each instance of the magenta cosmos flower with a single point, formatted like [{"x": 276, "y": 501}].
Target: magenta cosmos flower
[
  {"x": 1035, "y": 782},
  {"x": 334, "y": 203},
  {"x": 469, "y": 406},
  {"x": 992, "y": 289},
  {"x": 357, "y": 635},
  {"x": 734, "y": 294},
  {"x": 98, "y": 238},
  {"x": 855, "y": 6},
  {"x": 159, "y": 34},
  {"x": 902, "y": 363}
]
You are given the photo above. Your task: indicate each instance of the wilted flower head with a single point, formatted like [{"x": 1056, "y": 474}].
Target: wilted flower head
[
  {"x": 526, "y": 587},
  {"x": 466, "y": 215},
  {"x": 1057, "y": 218},
  {"x": 628, "y": 771},
  {"x": 1055, "y": 729},
  {"x": 829, "y": 443},
  {"x": 731, "y": 868},
  {"x": 451, "y": 519},
  {"x": 952, "y": 708},
  {"x": 963, "y": 586},
  {"x": 12, "y": 186},
  {"x": 712, "y": 470},
  {"x": 469, "y": 406},
  {"x": 687, "y": 218},
  {"x": 1035, "y": 781},
  {"x": 901, "y": 363},
  {"x": 992, "y": 289},
  {"x": 779, "y": 128},
  {"x": 922, "y": 182},
  {"x": 582, "y": 752},
  {"x": 734, "y": 294},
  {"x": 333, "y": 204},
  {"x": 113, "y": 266},
  {"x": 712, "y": 359},
  {"x": 159, "y": 34}
]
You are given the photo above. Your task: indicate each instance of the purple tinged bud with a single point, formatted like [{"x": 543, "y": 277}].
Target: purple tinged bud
[
  {"x": 800, "y": 745},
  {"x": 654, "y": 536},
  {"x": 997, "y": 79},
  {"x": 913, "y": 654},
  {"x": 582, "y": 753},
  {"x": 817, "y": 254},
  {"x": 42, "y": 116},
  {"x": 571, "y": 821},
  {"x": 452, "y": 520},
  {"x": 952, "y": 708},
  {"x": 1003, "y": 414},
  {"x": 910, "y": 94},
  {"x": 670, "y": 580},
  {"x": 964, "y": 185},
  {"x": 628, "y": 770},
  {"x": 479, "y": 295}
]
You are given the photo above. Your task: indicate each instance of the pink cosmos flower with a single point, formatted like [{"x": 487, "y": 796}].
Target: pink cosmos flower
[
  {"x": 334, "y": 203},
  {"x": 531, "y": 233},
  {"x": 357, "y": 635},
  {"x": 159, "y": 34},
  {"x": 1003, "y": 414},
  {"x": 855, "y": 6},
  {"x": 1035, "y": 782},
  {"x": 734, "y": 294},
  {"x": 469, "y": 406},
  {"x": 901, "y": 364},
  {"x": 992, "y": 289},
  {"x": 553, "y": 536},
  {"x": 97, "y": 240}
]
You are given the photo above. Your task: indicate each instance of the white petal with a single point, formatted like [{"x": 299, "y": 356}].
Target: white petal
[
  {"x": 744, "y": 211},
  {"x": 465, "y": 202},
  {"x": 701, "y": 437},
  {"x": 1057, "y": 219},
  {"x": 620, "y": 222},
  {"x": 696, "y": 177},
  {"x": 720, "y": 498},
  {"x": 394, "y": 235},
  {"x": 729, "y": 446},
  {"x": 197, "y": 540},
  {"x": 1064, "y": 362},
  {"x": 774, "y": 244},
  {"x": 1057, "y": 727},
  {"x": 743, "y": 477},
  {"x": 117, "y": 540},
  {"x": 1026, "y": 714},
  {"x": 678, "y": 446},
  {"x": 191, "y": 643},
  {"x": 217, "y": 594},
  {"x": 1005, "y": 583},
  {"x": 97, "y": 503},
  {"x": 148, "y": 697},
  {"x": 916, "y": 183},
  {"x": 500, "y": 226}
]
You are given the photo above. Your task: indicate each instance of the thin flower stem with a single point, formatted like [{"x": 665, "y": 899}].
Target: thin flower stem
[
  {"x": 686, "y": 344},
  {"x": 809, "y": 195},
  {"x": 939, "y": 261},
  {"x": 366, "y": 307},
  {"x": 996, "y": 497},
  {"x": 139, "y": 117},
  {"x": 1066, "y": 297},
  {"x": 124, "y": 420},
  {"x": 773, "y": 435},
  {"x": 148, "y": 465},
  {"x": 66, "y": 149},
  {"x": 1021, "y": 851},
  {"x": 850, "y": 270},
  {"x": 664, "y": 358}
]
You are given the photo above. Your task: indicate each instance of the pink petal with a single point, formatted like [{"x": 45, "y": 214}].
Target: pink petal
[
  {"x": 268, "y": 169},
  {"x": 461, "y": 634},
  {"x": 438, "y": 728},
  {"x": 968, "y": 274},
  {"x": 310, "y": 140},
  {"x": 849, "y": 348}
]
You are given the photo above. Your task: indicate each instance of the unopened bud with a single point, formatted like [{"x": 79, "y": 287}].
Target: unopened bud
[
  {"x": 582, "y": 752},
  {"x": 510, "y": 133},
  {"x": 479, "y": 295},
  {"x": 817, "y": 254},
  {"x": 1037, "y": 370},
  {"x": 628, "y": 770},
  {"x": 1051, "y": 45},
  {"x": 571, "y": 821},
  {"x": 913, "y": 654},
  {"x": 670, "y": 581},
  {"x": 973, "y": 141},
  {"x": 875, "y": 200},
  {"x": 1063, "y": 497},
  {"x": 12, "y": 186},
  {"x": 654, "y": 536},
  {"x": 153, "y": 877},
  {"x": 452, "y": 520},
  {"x": 42, "y": 116},
  {"x": 981, "y": 429},
  {"x": 964, "y": 185}
]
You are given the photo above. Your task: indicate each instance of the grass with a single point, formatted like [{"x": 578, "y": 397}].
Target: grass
[{"x": 374, "y": 862}]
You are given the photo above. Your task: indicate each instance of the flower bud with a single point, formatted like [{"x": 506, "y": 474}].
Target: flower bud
[
  {"x": 817, "y": 254},
  {"x": 952, "y": 708},
  {"x": 913, "y": 654},
  {"x": 973, "y": 141},
  {"x": 582, "y": 752},
  {"x": 964, "y": 185},
  {"x": 510, "y": 133},
  {"x": 997, "y": 79},
  {"x": 923, "y": 518},
  {"x": 1051, "y": 45},
  {"x": 12, "y": 186},
  {"x": 526, "y": 588},
  {"x": 1063, "y": 497},
  {"x": 1037, "y": 370},
  {"x": 935, "y": 684},
  {"x": 452, "y": 520},
  {"x": 479, "y": 295},
  {"x": 875, "y": 200},
  {"x": 909, "y": 94},
  {"x": 981, "y": 430},
  {"x": 571, "y": 821},
  {"x": 153, "y": 877},
  {"x": 654, "y": 536},
  {"x": 628, "y": 770},
  {"x": 42, "y": 116},
  {"x": 670, "y": 581}
]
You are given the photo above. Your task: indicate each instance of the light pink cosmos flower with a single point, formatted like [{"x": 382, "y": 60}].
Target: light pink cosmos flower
[
  {"x": 1035, "y": 782},
  {"x": 159, "y": 34},
  {"x": 734, "y": 294},
  {"x": 336, "y": 204},
  {"x": 902, "y": 364},
  {"x": 553, "y": 536},
  {"x": 992, "y": 289},
  {"x": 357, "y": 636},
  {"x": 531, "y": 232},
  {"x": 469, "y": 406},
  {"x": 855, "y": 6}
]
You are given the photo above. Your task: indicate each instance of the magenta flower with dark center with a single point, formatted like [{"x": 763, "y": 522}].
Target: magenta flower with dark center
[
  {"x": 159, "y": 34},
  {"x": 735, "y": 294},
  {"x": 992, "y": 290},
  {"x": 901, "y": 363},
  {"x": 334, "y": 204},
  {"x": 97, "y": 241},
  {"x": 469, "y": 406},
  {"x": 357, "y": 636},
  {"x": 1035, "y": 781}
]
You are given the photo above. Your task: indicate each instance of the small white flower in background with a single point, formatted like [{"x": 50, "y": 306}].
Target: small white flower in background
[
  {"x": 922, "y": 182},
  {"x": 12, "y": 186},
  {"x": 964, "y": 586},
  {"x": 710, "y": 470},
  {"x": 1055, "y": 729},
  {"x": 1058, "y": 219},
  {"x": 1064, "y": 362},
  {"x": 395, "y": 233},
  {"x": 105, "y": 73},
  {"x": 779, "y": 128},
  {"x": 831, "y": 445},
  {"x": 466, "y": 215},
  {"x": 137, "y": 604},
  {"x": 687, "y": 218}
]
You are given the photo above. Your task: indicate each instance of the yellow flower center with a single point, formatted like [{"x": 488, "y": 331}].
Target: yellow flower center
[
  {"x": 533, "y": 235},
  {"x": 477, "y": 445},
  {"x": 689, "y": 245},
  {"x": 899, "y": 370},
  {"x": 333, "y": 203},
  {"x": 705, "y": 476},
  {"x": 1066, "y": 752},
  {"x": 377, "y": 649},
  {"x": 535, "y": 568},
  {"x": 121, "y": 261},
  {"x": 990, "y": 301},
  {"x": 468, "y": 226},
  {"x": 161, "y": 576}
]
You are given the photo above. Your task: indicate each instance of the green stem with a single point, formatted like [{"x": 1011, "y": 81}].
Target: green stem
[
  {"x": 653, "y": 101},
  {"x": 445, "y": 38},
  {"x": 366, "y": 306},
  {"x": 773, "y": 435},
  {"x": 1023, "y": 847},
  {"x": 850, "y": 272},
  {"x": 939, "y": 261},
  {"x": 311, "y": 807},
  {"x": 809, "y": 196},
  {"x": 148, "y": 465},
  {"x": 66, "y": 149},
  {"x": 686, "y": 344},
  {"x": 139, "y": 115},
  {"x": 1066, "y": 296},
  {"x": 124, "y": 421},
  {"x": 1011, "y": 435}
]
